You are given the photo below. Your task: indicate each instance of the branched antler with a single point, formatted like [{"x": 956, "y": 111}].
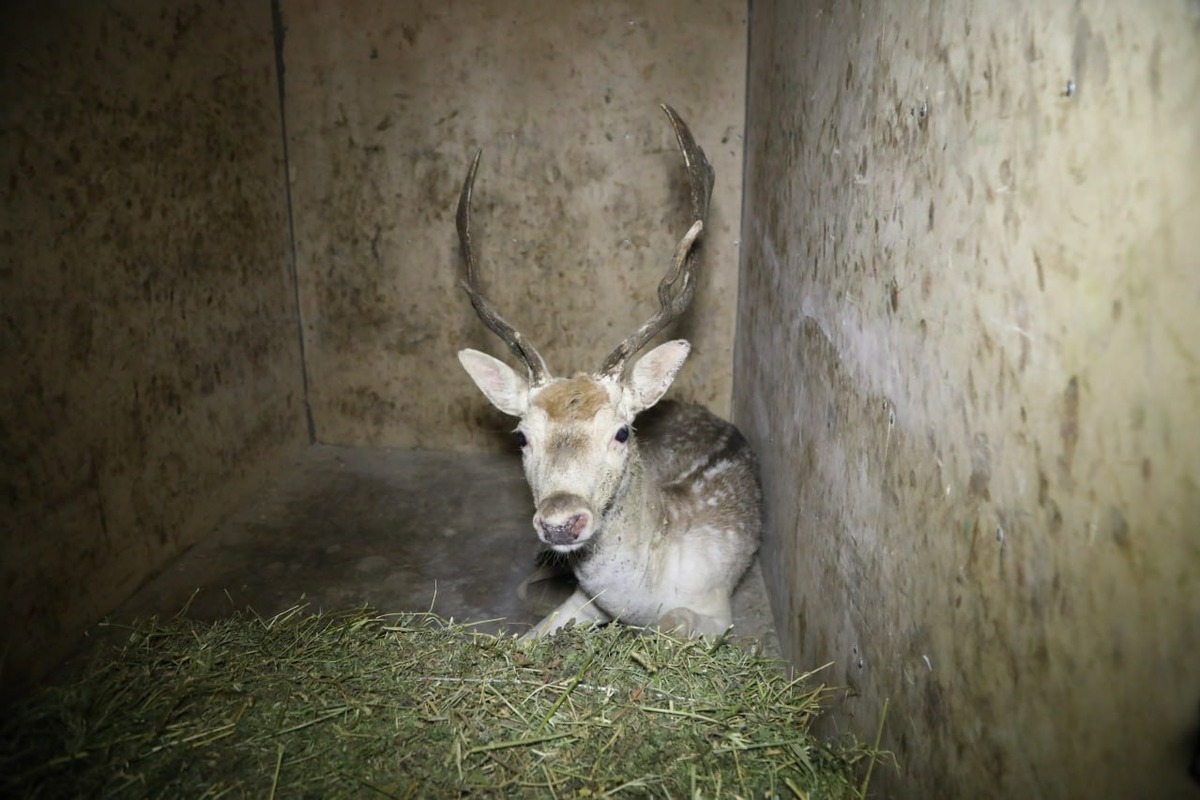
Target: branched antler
[
  {"x": 516, "y": 341},
  {"x": 676, "y": 288}
]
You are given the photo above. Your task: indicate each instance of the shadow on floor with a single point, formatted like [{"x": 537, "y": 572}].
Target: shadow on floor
[{"x": 392, "y": 529}]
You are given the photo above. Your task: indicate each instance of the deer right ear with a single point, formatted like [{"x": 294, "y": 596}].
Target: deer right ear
[
  {"x": 499, "y": 382},
  {"x": 653, "y": 373}
]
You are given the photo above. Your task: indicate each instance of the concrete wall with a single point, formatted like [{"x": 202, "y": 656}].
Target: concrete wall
[
  {"x": 150, "y": 336},
  {"x": 580, "y": 198},
  {"x": 147, "y": 337},
  {"x": 969, "y": 356}
]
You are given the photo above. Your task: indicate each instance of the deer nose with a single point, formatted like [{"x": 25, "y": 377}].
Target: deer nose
[
  {"x": 566, "y": 532},
  {"x": 562, "y": 520}
]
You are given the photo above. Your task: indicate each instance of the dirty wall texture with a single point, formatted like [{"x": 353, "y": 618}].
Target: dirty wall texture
[
  {"x": 969, "y": 357},
  {"x": 148, "y": 344},
  {"x": 580, "y": 198}
]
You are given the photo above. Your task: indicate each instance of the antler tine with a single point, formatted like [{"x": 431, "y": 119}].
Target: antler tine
[
  {"x": 676, "y": 288},
  {"x": 517, "y": 343}
]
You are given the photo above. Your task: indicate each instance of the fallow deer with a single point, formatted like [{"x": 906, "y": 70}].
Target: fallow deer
[{"x": 658, "y": 526}]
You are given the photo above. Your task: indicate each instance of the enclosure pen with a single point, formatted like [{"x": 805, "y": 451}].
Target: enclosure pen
[
  {"x": 411, "y": 705},
  {"x": 945, "y": 288}
]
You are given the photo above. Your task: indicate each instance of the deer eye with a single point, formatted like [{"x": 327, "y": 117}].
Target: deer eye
[
  {"x": 623, "y": 434},
  {"x": 520, "y": 439}
]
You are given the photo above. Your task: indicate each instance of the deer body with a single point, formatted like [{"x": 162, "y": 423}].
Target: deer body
[
  {"x": 657, "y": 521},
  {"x": 673, "y": 550}
]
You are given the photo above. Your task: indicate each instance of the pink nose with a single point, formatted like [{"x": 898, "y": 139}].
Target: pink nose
[
  {"x": 565, "y": 532},
  {"x": 562, "y": 519}
]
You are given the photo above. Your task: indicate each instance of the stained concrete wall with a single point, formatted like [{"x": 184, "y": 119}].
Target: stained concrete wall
[
  {"x": 148, "y": 341},
  {"x": 580, "y": 197},
  {"x": 153, "y": 366},
  {"x": 969, "y": 358}
]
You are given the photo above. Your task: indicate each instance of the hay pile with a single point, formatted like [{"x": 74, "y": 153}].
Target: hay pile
[{"x": 411, "y": 706}]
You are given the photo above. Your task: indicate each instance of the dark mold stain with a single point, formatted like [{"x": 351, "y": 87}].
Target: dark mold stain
[
  {"x": 934, "y": 707},
  {"x": 981, "y": 468},
  {"x": 1068, "y": 428},
  {"x": 1006, "y": 173},
  {"x": 1118, "y": 529},
  {"x": 1056, "y": 518}
]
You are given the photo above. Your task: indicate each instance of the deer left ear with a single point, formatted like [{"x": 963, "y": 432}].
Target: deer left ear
[
  {"x": 653, "y": 374},
  {"x": 506, "y": 390}
]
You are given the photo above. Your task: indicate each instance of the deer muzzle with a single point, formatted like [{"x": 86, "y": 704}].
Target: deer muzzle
[{"x": 563, "y": 521}]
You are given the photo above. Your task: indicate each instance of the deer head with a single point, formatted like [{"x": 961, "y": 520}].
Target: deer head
[{"x": 576, "y": 434}]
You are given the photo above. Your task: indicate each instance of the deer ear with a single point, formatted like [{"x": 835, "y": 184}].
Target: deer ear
[
  {"x": 653, "y": 374},
  {"x": 499, "y": 382}
]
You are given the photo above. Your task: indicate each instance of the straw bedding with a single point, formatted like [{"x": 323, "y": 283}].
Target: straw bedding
[{"x": 358, "y": 704}]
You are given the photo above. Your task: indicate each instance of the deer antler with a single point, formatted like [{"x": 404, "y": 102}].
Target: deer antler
[
  {"x": 516, "y": 341},
  {"x": 677, "y": 286}
]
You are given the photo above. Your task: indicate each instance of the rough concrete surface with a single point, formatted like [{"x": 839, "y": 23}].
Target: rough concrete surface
[
  {"x": 580, "y": 199},
  {"x": 969, "y": 359},
  {"x": 148, "y": 346}
]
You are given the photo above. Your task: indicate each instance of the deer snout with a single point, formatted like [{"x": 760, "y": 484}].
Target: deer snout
[{"x": 563, "y": 521}]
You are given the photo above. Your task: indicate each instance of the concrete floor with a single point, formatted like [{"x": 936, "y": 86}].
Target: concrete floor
[{"x": 395, "y": 530}]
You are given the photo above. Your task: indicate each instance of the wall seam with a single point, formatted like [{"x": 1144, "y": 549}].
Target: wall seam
[
  {"x": 279, "y": 31},
  {"x": 741, "y": 236}
]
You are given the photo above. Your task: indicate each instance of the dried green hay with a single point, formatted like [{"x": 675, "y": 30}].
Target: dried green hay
[{"x": 410, "y": 705}]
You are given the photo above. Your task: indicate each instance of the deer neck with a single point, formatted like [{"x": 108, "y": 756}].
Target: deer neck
[{"x": 635, "y": 514}]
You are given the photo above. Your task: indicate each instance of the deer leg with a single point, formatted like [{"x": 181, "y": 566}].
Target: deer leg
[
  {"x": 545, "y": 588},
  {"x": 578, "y": 607},
  {"x": 708, "y": 616}
]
